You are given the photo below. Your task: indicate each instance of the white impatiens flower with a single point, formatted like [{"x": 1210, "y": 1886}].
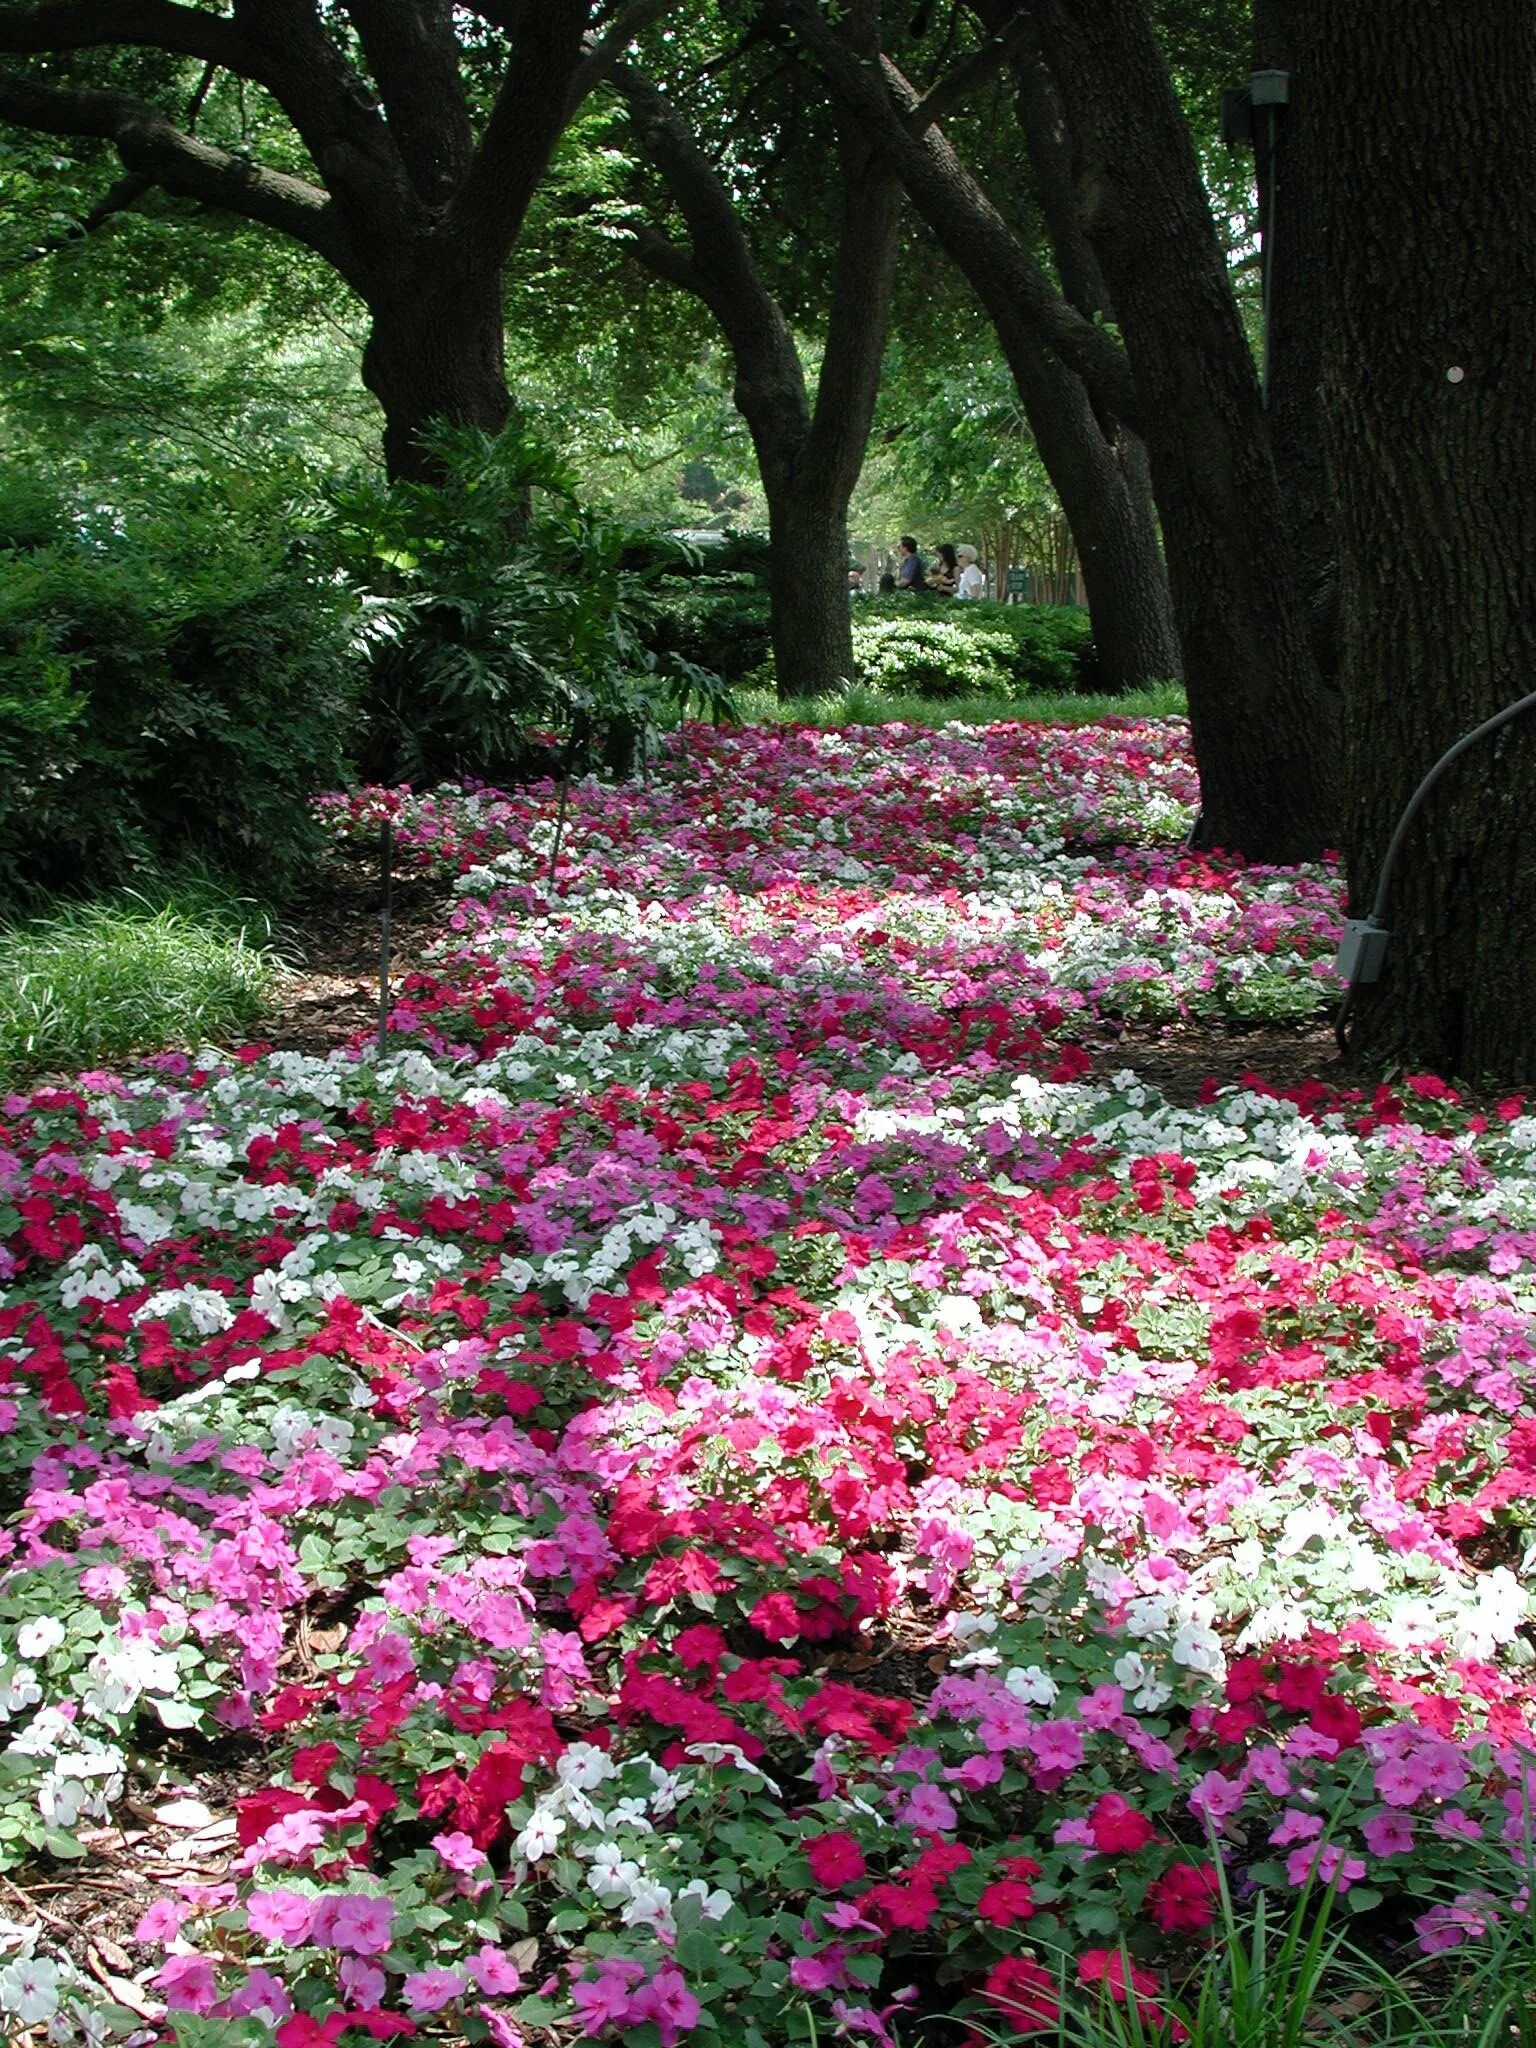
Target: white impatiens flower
[
  {"x": 29, "y": 1989},
  {"x": 18, "y": 1692},
  {"x": 1133, "y": 1674},
  {"x": 1199, "y": 1648},
  {"x": 584, "y": 1767},
  {"x": 541, "y": 1836},
  {"x": 611, "y": 1874},
  {"x": 649, "y": 1905},
  {"x": 120, "y": 1672},
  {"x": 1028, "y": 1682},
  {"x": 36, "y": 1638},
  {"x": 713, "y": 1905}
]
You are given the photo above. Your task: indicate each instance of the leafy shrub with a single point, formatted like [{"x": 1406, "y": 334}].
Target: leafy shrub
[
  {"x": 926, "y": 656},
  {"x": 172, "y": 679},
  {"x": 937, "y": 648},
  {"x": 490, "y": 623},
  {"x": 720, "y": 622}
]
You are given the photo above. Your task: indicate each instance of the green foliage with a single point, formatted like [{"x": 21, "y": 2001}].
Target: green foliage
[
  {"x": 940, "y": 648},
  {"x": 99, "y": 981},
  {"x": 861, "y": 706},
  {"x": 500, "y": 606},
  {"x": 720, "y": 622},
  {"x": 172, "y": 679}
]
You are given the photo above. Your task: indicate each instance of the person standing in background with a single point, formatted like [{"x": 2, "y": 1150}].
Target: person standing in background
[
  {"x": 973, "y": 582},
  {"x": 911, "y": 569},
  {"x": 945, "y": 573}
]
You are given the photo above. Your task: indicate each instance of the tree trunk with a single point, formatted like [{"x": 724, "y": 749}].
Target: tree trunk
[
  {"x": 808, "y": 583},
  {"x": 1426, "y": 197},
  {"x": 1286, "y": 143},
  {"x": 1111, "y": 521},
  {"x": 1258, "y": 713},
  {"x": 436, "y": 352}
]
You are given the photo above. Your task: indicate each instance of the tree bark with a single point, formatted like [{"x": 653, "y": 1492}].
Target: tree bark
[
  {"x": 1257, "y": 709},
  {"x": 1112, "y": 526},
  {"x": 808, "y": 585},
  {"x": 1427, "y": 190},
  {"x": 1286, "y": 144},
  {"x": 1136, "y": 602},
  {"x": 435, "y": 351},
  {"x": 407, "y": 205}
]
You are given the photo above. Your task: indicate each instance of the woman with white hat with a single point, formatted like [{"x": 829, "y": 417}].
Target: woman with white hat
[{"x": 972, "y": 582}]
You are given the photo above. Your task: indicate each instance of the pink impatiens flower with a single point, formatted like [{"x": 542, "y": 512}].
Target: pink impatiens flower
[
  {"x": 459, "y": 1852},
  {"x": 431, "y": 1990},
  {"x": 359, "y": 1923},
  {"x": 1388, "y": 1834},
  {"x": 282, "y": 1917}
]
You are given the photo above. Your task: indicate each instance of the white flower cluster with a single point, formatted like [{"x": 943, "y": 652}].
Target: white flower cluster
[{"x": 617, "y": 1839}]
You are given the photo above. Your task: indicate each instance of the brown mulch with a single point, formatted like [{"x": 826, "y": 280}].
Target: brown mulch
[
  {"x": 167, "y": 1832},
  {"x": 1179, "y": 1058},
  {"x": 331, "y": 991}
]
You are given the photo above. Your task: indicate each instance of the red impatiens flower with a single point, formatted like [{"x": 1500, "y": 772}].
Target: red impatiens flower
[
  {"x": 1022, "y": 1990},
  {"x": 1006, "y": 1901},
  {"x": 835, "y": 1860},
  {"x": 1183, "y": 1899},
  {"x": 1111, "y": 1968},
  {"x": 303, "y": 2032},
  {"x": 1118, "y": 1828}
]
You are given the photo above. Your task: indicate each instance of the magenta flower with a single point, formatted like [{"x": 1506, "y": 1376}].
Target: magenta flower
[
  {"x": 1388, "y": 1834},
  {"x": 494, "y": 1972},
  {"x": 188, "y": 1983},
  {"x": 668, "y": 2002},
  {"x": 283, "y": 1917},
  {"x": 458, "y": 1852},
  {"x": 358, "y": 1923},
  {"x": 431, "y": 1990},
  {"x": 927, "y": 1807},
  {"x": 363, "y": 1984}
]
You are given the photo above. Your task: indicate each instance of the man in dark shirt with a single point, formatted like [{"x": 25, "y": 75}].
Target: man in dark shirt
[{"x": 912, "y": 570}]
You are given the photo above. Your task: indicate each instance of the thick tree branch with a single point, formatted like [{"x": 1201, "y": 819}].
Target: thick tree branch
[
  {"x": 414, "y": 56},
  {"x": 863, "y": 276},
  {"x": 665, "y": 259},
  {"x": 519, "y": 138},
  {"x": 728, "y": 279},
  {"x": 154, "y": 149},
  {"x": 604, "y": 51},
  {"x": 60, "y": 25},
  {"x": 967, "y": 77},
  {"x": 335, "y": 114},
  {"x": 1004, "y": 273}
]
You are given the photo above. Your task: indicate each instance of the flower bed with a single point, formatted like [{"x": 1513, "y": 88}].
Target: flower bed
[{"x": 722, "y": 1492}]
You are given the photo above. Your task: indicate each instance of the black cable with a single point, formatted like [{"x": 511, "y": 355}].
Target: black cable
[{"x": 1395, "y": 843}]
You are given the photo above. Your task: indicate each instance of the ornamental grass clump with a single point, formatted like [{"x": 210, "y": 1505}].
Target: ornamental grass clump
[{"x": 103, "y": 981}]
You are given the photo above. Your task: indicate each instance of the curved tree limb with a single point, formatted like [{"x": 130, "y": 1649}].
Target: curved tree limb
[
  {"x": 155, "y": 149},
  {"x": 59, "y": 25},
  {"x": 604, "y": 51},
  {"x": 968, "y": 76},
  {"x": 1004, "y": 272},
  {"x": 725, "y": 276}
]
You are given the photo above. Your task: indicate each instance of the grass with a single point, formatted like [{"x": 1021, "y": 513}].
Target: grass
[
  {"x": 184, "y": 966},
  {"x": 881, "y": 707},
  {"x": 1292, "y": 1979}
]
